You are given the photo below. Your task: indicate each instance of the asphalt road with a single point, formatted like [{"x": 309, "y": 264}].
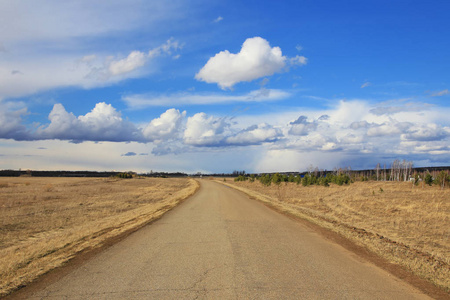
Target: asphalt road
[{"x": 221, "y": 245}]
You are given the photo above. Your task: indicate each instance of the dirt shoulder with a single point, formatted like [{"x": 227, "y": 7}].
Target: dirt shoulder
[{"x": 423, "y": 270}]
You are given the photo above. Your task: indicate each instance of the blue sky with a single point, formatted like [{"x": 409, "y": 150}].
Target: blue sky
[{"x": 217, "y": 86}]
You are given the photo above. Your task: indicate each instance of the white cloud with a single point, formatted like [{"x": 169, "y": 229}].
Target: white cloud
[
  {"x": 177, "y": 99},
  {"x": 366, "y": 84},
  {"x": 388, "y": 129},
  {"x": 301, "y": 126},
  {"x": 218, "y": 19},
  {"x": 298, "y": 60},
  {"x": 103, "y": 123},
  {"x": 134, "y": 60},
  {"x": 274, "y": 160},
  {"x": 63, "y": 70},
  {"x": 359, "y": 124},
  {"x": 351, "y": 138},
  {"x": 255, "y": 135},
  {"x": 52, "y": 20},
  {"x": 167, "y": 48},
  {"x": 255, "y": 60},
  {"x": 383, "y": 130},
  {"x": 408, "y": 107},
  {"x": 441, "y": 93},
  {"x": 347, "y": 112},
  {"x": 349, "y": 128},
  {"x": 62, "y": 124},
  {"x": 330, "y": 146},
  {"x": 426, "y": 132},
  {"x": 44, "y": 50},
  {"x": 204, "y": 130},
  {"x": 166, "y": 127},
  {"x": 113, "y": 68}
]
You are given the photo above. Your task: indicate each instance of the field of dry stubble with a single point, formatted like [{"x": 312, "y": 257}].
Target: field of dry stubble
[
  {"x": 45, "y": 221},
  {"x": 408, "y": 225}
]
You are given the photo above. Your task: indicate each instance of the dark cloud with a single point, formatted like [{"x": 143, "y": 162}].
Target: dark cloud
[{"x": 129, "y": 154}]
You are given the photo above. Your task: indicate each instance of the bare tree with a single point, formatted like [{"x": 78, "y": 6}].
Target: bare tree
[
  {"x": 377, "y": 169},
  {"x": 395, "y": 170}
]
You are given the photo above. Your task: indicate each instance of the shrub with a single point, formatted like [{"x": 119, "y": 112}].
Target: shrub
[
  {"x": 428, "y": 179},
  {"x": 416, "y": 179},
  {"x": 241, "y": 178},
  {"x": 442, "y": 179},
  {"x": 265, "y": 179},
  {"x": 277, "y": 178},
  {"x": 124, "y": 175}
]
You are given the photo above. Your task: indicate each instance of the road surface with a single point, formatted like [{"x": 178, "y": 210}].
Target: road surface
[{"x": 221, "y": 245}]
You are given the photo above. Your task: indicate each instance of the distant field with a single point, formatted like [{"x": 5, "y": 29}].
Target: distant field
[
  {"x": 46, "y": 221},
  {"x": 406, "y": 224}
]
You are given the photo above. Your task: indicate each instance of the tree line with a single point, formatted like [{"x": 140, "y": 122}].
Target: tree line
[
  {"x": 396, "y": 171},
  {"x": 305, "y": 180}
]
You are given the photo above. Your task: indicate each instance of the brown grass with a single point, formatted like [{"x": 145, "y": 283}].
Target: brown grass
[
  {"x": 407, "y": 225},
  {"x": 45, "y": 221}
]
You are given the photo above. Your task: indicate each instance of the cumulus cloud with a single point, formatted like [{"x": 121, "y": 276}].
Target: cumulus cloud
[
  {"x": 103, "y": 123},
  {"x": 255, "y": 135},
  {"x": 147, "y": 100},
  {"x": 11, "y": 126},
  {"x": 255, "y": 60},
  {"x": 167, "y": 126},
  {"x": 347, "y": 112},
  {"x": 315, "y": 141},
  {"x": 388, "y": 128},
  {"x": 349, "y": 128},
  {"x": 359, "y": 124},
  {"x": 426, "y": 132},
  {"x": 204, "y": 130},
  {"x": 301, "y": 126},
  {"x": 208, "y": 131}
]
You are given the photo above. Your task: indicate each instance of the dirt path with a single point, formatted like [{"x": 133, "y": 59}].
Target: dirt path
[{"x": 221, "y": 245}]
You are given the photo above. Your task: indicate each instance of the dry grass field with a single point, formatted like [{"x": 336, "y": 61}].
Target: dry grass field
[
  {"x": 408, "y": 225},
  {"x": 45, "y": 221}
]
